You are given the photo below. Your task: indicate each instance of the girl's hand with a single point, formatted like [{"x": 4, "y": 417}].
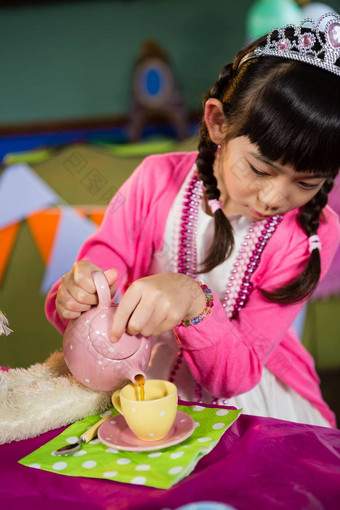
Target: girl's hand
[
  {"x": 155, "y": 304},
  {"x": 77, "y": 292}
]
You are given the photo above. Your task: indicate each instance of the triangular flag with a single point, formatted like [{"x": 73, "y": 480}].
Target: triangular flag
[
  {"x": 70, "y": 235},
  {"x": 81, "y": 210},
  {"x": 43, "y": 227},
  {"x": 97, "y": 216},
  {"x": 94, "y": 213},
  {"x": 299, "y": 322},
  {"x": 7, "y": 238},
  {"x": 22, "y": 192}
]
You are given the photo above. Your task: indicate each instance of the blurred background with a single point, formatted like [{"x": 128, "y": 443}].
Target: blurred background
[{"x": 88, "y": 89}]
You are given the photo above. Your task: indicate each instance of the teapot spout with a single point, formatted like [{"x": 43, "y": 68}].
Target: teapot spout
[
  {"x": 136, "y": 364},
  {"x": 138, "y": 379}
]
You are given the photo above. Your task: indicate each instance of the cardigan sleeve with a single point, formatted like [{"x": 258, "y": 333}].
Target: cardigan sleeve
[
  {"x": 133, "y": 224},
  {"x": 110, "y": 246},
  {"x": 117, "y": 241},
  {"x": 226, "y": 356}
]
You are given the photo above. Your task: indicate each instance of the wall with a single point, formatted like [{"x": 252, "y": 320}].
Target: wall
[{"x": 74, "y": 60}]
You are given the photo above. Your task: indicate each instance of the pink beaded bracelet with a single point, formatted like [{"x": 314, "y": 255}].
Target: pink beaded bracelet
[{"x": 207, "y": 309}]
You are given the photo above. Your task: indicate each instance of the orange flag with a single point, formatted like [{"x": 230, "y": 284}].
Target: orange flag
[
  {"x": 97, "y": 216},
  {"x": 43, "y": 225},
  {"x": 80, "y": 210},
  {"x": 7, "y": 238}
]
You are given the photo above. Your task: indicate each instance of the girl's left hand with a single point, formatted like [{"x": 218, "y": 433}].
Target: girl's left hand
[{"x": 155, "y": 304}]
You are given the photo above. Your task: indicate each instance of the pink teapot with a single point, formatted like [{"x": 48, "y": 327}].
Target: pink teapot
[{"x": 92, "y": 358}]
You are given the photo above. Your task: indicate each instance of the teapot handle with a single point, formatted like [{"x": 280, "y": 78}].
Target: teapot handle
[
  {"x": 102, "y": 288},
  {"x": 116, "y": 401}
]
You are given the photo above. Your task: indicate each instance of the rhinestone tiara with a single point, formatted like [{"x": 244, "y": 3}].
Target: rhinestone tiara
[{"x": 309, "y": 44}]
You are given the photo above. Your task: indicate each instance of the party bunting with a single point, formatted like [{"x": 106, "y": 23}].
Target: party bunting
[
  {"x": 93, "y": 212},
  {"x": 80, "y": 210},
  {"x": 299, "y": 322},
  {"x": 71, "y": 233},
  {"x": 43, "y": 226},
  {"x": 97, "y": 216},
  {"x": 22, "y": 192},
  {"x": 7, "y": 238}
]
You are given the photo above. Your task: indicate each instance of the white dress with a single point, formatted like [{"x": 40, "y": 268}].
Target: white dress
[{"x": 270, "y": 397}]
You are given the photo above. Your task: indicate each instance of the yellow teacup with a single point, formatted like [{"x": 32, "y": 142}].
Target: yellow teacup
[{"x": 152, "y": 418}]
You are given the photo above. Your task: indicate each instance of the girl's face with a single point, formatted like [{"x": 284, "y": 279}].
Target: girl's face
[{"x": 257, "y": 188}]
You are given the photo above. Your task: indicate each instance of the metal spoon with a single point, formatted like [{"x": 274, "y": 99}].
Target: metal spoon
[{"x": 69, "y": 449}]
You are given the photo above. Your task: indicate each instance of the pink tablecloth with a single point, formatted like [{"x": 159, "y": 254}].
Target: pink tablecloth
[{"x": 259, "y": 463}]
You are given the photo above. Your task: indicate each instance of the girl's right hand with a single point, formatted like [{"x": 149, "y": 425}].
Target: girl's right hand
[{"x": 77, "y": 292}]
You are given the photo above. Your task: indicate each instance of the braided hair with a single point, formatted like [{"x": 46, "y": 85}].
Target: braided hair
[
  {"x": 223, "y": 243},
  {"x": 276, "y": 103}
]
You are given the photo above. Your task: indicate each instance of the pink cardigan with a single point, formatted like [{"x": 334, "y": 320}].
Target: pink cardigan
[{"x": 225, "y": 356}]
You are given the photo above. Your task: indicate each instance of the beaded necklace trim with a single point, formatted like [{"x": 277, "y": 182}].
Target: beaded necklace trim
[{"x": 239, "y": 286}]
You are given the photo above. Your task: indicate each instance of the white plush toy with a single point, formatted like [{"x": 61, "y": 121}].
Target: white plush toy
[
  {"x": 4, "y": 329},
  {"x": 43, "y": 397}
]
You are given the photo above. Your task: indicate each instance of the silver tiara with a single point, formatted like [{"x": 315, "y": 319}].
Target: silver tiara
[{"x": 307, "y": 37}]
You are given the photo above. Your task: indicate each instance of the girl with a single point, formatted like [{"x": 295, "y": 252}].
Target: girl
[{"x": 216, "y": 252}]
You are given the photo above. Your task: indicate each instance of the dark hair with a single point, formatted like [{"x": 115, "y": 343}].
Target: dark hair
[{"x": 291, "y": 111}]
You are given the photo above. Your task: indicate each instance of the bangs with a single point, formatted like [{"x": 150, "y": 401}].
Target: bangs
[{"x": 294, "y": 118}]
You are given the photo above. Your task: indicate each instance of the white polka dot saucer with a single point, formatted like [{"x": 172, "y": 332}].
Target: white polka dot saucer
[{"x": 115, "y": 433}]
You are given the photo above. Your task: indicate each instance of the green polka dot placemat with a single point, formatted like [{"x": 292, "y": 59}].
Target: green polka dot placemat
[{"x": 161, "y": 468}]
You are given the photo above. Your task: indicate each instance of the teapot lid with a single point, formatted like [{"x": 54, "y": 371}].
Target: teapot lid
[{"x": 99, "y": 333}]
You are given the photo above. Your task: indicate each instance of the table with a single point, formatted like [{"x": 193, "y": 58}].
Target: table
[{"x": 259, "y": 463}]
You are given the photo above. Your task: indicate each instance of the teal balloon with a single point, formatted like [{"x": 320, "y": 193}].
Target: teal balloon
[{"x": 264, "y": 15}]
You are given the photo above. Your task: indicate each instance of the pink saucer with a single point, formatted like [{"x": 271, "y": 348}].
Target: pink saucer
[{"x": 115, "y": 433}]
